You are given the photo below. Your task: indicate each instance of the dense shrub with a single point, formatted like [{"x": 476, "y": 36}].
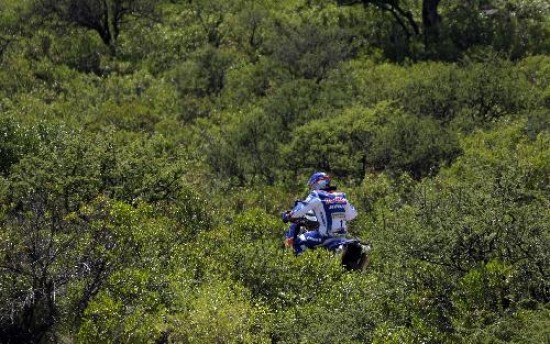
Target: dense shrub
[
  {"x": 372, "y": 139},
  {"x": 474, "y": 235},
  {"x": 143, "y": 170}
]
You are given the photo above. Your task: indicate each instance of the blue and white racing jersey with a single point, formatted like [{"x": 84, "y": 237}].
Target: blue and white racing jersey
[{"x": 331, "y": 208}]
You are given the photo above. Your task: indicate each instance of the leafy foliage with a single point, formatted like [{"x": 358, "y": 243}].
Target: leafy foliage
[{"x": 148, "y": 148}]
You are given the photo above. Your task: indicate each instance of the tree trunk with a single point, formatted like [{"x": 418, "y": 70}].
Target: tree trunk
[{"x": 430, "y": 21}]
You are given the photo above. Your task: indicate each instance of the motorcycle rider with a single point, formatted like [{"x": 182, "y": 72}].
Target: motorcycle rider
[{"x": 329, "y": 206}]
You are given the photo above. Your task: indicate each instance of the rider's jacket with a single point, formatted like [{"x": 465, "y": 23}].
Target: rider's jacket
[{"x": 331, "y": 208}]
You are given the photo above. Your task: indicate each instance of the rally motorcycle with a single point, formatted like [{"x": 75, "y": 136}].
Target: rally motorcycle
[{"x": 354, "y": 252}]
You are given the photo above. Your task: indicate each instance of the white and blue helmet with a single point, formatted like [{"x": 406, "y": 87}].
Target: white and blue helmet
[{"x": 319, "y": 181}]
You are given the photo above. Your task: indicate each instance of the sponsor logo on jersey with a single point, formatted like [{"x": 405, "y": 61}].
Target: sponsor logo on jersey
[{"x": 336, "y": 206}]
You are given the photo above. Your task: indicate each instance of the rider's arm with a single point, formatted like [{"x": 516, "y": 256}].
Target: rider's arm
[{"x": 301, "y": 209}]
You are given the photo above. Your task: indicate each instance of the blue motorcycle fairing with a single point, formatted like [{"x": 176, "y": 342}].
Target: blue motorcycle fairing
[
  {"x": 313, "y": 239},
  {"x": 334, "y": 243}
]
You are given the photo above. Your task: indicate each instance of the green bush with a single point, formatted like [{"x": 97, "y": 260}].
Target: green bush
[
  {"x": 484, "y": 91},
  {"x": 17, "y": 141},
  {"x": 221, "y": 312},
  {"x": 468, "y": 232},
  {"x": 90, "y": 196},
  {"x": 372, "y": 139}
]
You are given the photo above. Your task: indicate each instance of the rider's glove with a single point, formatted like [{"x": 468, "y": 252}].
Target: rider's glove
[
  {"x": 289, "y": 242},
  {"x": 286, "y": 216}
]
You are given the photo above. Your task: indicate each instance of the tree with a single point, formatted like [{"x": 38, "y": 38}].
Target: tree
[
  {"x": 475, "y": 235},
  {"x": 514, "y": 28},
  {"x": 309, "y": 51},
  {"x": 405, "y": 15},
  {"x": 401, "y": 15},
  {"x": 106, "y": 17},
  {"x": 430, "y": 20},
  {"x": 14, "y": 23},
  {"x": 74, "y": 212},
  {"x": 363, "y": 139}
]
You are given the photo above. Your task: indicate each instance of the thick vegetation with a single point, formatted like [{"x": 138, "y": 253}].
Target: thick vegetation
[{"x": 148, "y": 147}]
